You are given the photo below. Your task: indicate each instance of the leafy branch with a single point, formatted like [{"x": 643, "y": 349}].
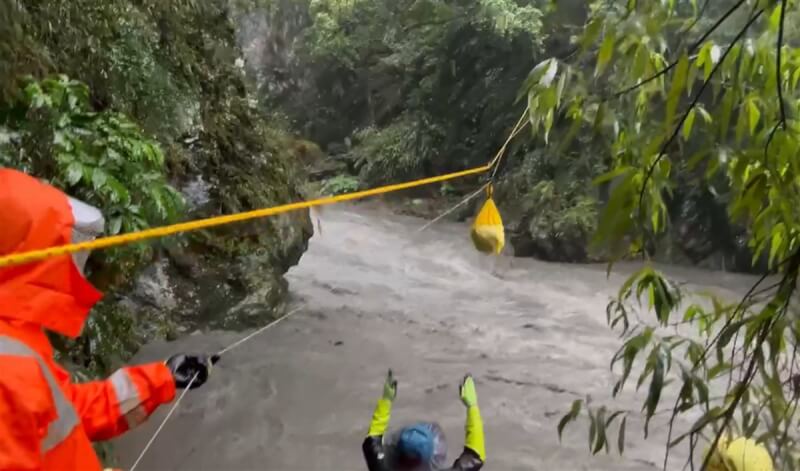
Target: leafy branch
[
  {"x": 778, "y": 81},
  {"x": 692, "y": 48},
  {"x": 694, "y": 102},
  {"x": 747, "y": 335}
]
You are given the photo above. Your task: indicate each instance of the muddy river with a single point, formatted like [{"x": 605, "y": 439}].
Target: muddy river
[{"x": 375, "y": 293}]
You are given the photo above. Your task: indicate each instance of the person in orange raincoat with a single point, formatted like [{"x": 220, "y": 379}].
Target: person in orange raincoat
[{"x": 47, "y": 422}]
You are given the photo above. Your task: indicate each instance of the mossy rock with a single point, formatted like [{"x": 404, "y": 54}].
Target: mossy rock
[{"x": 171, "y": 67}]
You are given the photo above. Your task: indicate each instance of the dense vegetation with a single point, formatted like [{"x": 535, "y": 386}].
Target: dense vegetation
[
  {"x": 397, "y": 89},
  {"x": 694, "y": 96}
]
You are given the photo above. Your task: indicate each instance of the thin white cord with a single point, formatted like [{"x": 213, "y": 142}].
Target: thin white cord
[
  {"x": 163, "y": 422},
  {"x": 453, "y": 208},
  {"x": 458, "y": 205},
  {"x": 188, "y": 386},
  {"x": 271, "y": 324}
]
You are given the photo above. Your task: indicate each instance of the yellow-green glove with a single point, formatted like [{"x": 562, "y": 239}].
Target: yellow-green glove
[
  {"x": 383, "y": 411},
  {"x": 467, "y": 390},
  {"x": 474, "y": 439},
  {"x": 390, "y": 387}
]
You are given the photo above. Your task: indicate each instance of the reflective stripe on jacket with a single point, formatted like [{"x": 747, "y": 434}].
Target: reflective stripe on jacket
[{"x": 48, "y": 423}]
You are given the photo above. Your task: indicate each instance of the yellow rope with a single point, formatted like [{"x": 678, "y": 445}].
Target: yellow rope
[
  {"x": 111, "y": 241},
  {"x": 157, "y": 232}
]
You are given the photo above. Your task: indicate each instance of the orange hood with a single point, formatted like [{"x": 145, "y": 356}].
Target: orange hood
[{"x": 51, "y": 293}]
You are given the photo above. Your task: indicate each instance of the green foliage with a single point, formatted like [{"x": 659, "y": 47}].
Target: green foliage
[
  {"x": 415, "y": 88},
  {"x": 102, "y": 158},
  {"x": 331, "y": 20},
  {"x": 557, "y": 205},
  {"x": 561, "y": 213},
  {"x": 351, "y": 31},
  {"x": 447, "y": 189},
  {"x": 388, "y": 154},
  {"x": 134, "y": 70},
  {"x": 678, "y": 100},
  {"x": 451, "y": 67},
  {"x": 509, "y": 17},
  {"x": 340, "y": 184},
  {"x": 558, "y": 220}
]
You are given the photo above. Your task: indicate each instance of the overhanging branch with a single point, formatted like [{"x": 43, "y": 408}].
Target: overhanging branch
[
  {"x": 689, "y": 51},
  {"x": 694, "y": 102}
]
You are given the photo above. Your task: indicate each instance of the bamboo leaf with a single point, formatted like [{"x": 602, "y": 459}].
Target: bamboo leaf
[
  {"x": 600, "y": 439},
  {"x": 678, "y": 82},
  {"x": 717, "y": 369},
  {"x": 727, "y": 332},
  {"x": 776, "y": 244},
  {"x": 774, "y": 18},
  {"x": 575, "y": 409},
  {"x": 724, "y": 115},
  {"x": 613, "y": 416},
  {"x": 795, "y": 78},
  {"x": 640, "y": 62},
  {"x": 608, "y": 176},
  {"x": 706, "y": 116},
  {"x": 705, "y": 60},
  {"x": 754, "y": 115},
  {"x": 605, "y": 53},
  {"x": 687, "y": 125},
  {"x": 562, "y": 82},
  {"x": 741, "y": 126},
  {"x": 713, "y": 414},
  {"x": 654, "y": 392},
  {"x": 591, "y": 32}
]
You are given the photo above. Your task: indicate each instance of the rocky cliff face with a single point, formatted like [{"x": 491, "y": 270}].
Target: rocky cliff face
[{"x": 176, "y": 68}]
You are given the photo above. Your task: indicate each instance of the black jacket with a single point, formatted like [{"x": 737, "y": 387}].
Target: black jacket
[{"x": 377, "y": 460}]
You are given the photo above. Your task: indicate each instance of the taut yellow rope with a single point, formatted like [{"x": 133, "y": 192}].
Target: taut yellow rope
[{"x": 157, "y": 232}]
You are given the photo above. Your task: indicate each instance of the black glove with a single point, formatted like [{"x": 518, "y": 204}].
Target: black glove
[{"x": 184, "y": 367}]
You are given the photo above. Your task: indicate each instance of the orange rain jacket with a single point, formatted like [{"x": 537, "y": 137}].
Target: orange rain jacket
[{"x": 46, "y": 421}]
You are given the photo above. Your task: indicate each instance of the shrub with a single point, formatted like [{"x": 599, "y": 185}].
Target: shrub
[{"x": 340, "y": 184}]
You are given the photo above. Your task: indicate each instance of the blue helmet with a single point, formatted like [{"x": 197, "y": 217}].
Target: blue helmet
[{"x": 420, "y": 446}]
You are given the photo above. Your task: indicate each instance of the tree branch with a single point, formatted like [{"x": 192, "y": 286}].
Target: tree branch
[
  {"x": 778, "y": 83},
  {"x": 694, "y": 102},
  {"x": 751, "y": 292},
  {"x": 793, "y": 402},
  {"x": 690, "y": 50},
  {"x": 771, "y": 136},
  {"x": 739, "y": 394},
  {"x": 788, "y": 286},
  {"x": 778, "y": 75}
]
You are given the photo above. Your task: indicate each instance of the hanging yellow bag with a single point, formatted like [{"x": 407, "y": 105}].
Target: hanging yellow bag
[
  {"x": 487, "y": 231},
  {"x": 741, "y": 454}
]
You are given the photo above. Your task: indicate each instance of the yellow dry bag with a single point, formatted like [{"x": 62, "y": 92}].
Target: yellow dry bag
[
  {"x": 741, "y": 454},
  {"x": 487, "y": 231}
]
